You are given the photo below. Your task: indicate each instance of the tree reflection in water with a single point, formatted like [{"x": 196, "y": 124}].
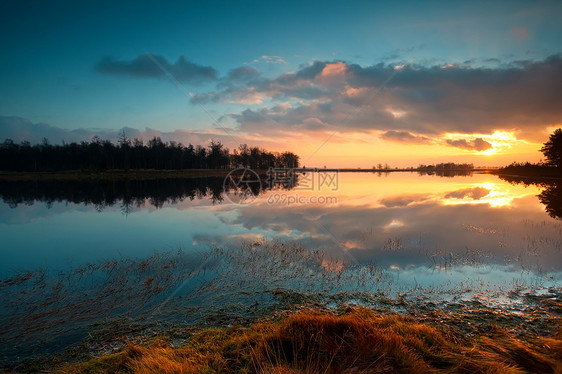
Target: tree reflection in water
[
  {"x": 551, "y": 197},
  {"x": 127, "y": 193}
]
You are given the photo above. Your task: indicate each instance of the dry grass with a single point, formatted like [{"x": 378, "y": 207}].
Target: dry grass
[
  {"x": 119, "y": 302},
  {"x": 358, "y": 341}
]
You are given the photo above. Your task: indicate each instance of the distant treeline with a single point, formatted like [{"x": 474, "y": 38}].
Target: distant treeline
[
  {"x": 531, "y": 170},
  {"x": 99, "y": 154},
  {"x": 447, "y": 166}
]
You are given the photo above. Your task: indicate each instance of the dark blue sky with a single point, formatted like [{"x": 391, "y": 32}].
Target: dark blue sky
[{"x": 84, "y": 65}]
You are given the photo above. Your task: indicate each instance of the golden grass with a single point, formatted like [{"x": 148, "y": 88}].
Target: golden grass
[{"x": 359, "y": 341}]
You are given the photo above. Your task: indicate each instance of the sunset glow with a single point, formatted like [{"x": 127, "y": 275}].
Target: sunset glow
[
  {"x": 281, "y": 187},
  {"x": 421, "y": 94}
]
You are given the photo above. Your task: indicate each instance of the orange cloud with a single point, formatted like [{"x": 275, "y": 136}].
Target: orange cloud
[
  {"x": 335, "y": 69},
  {"x": 355, "y": 92}
]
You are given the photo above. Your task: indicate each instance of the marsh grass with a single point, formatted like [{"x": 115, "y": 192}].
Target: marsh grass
[
  {"x": 44, "y": 312},
  {"x": 99, "y": 309},
  {"x": 356, "y": 341}
]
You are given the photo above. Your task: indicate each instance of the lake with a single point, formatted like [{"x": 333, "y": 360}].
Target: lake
[{"x": 181, "y": 250}]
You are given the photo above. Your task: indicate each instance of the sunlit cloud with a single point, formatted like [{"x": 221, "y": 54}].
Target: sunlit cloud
[
  {"x": 338, "y": 68},
  {"x": 476, "y": 144},
  {"x": 396, "y": 113},
  {"x": 247, "y": 99},
  {"x": 394, "y": 224},
  {"x": 447, "y": 114},
  {"x": 355, "y": 92},
  {"x": 489, "y": 193},
  {"x": 486, "y": 144},
  {"x": 404, "y": 137},
  {"x": 443, "y": 101}
]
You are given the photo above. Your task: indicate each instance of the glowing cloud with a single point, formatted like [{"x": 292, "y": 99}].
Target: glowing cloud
[
  {"x": 477, "y": 144},
  {"x": 338, "y": 68}
]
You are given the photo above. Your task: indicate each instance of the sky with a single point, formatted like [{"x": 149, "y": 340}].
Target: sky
[{"x": 342, "y": 84}]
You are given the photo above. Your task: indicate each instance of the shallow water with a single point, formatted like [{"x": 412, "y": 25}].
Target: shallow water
[{"x": 347, "y": 237}]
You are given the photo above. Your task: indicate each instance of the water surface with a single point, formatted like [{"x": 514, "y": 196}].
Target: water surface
[
  {"x": 397, "y": 220},
  {"x": 80, "y": 255}
]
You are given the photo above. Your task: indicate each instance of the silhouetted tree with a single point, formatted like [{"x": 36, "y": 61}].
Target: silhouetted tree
[
  {"x": 125, "y": 144},
  {"x": 200, "y": 157},
  {"x": 552, "y": 149},
  {"x": 101, "y": 154},
  {"x": 217, "y": 157},
  {"x": 244, "y": 156}
]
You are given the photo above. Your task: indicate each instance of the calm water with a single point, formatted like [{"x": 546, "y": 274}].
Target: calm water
[
  {"x": 355, "y": 232},
  {"x": 401, "y": 221}
]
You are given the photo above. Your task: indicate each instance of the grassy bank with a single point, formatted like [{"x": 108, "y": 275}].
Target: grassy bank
[
  {"x": 241, "y": 313},
  {"x": 356, "y": 340}
]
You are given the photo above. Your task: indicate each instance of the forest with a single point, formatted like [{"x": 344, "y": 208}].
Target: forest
[{"x": 127, "y": 153}]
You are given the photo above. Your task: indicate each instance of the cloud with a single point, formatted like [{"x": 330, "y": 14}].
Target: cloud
[
  {"x": 269, "y": 60},
  {"x": 273, "y": 59},
  {"x": 20, "y": 129},
  {"x": 403, "y": 201},
  {"x": 477, "y": 144},
  {"x": 243, "y": 73},
  {"x": 153, "y": 66},
  {"x": 431, "y": 100},
  {"x": 405, "y": 137},
  {"x": 291, "y": 85},
  {"x": 475, "y": 193},
  {"x": 364, "y": 225}
]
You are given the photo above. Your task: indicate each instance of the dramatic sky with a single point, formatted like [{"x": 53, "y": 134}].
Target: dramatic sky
[{"x": 343, "y": 84}]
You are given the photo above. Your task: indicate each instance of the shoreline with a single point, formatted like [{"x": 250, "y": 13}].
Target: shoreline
[
  {"x": 145, "y": 174},
  {"x": 455, "y": 320},
  {"x": 314, "y": 338}
]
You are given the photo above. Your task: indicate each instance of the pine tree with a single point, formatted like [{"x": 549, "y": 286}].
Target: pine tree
[{"x": 552, "y": 149}]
